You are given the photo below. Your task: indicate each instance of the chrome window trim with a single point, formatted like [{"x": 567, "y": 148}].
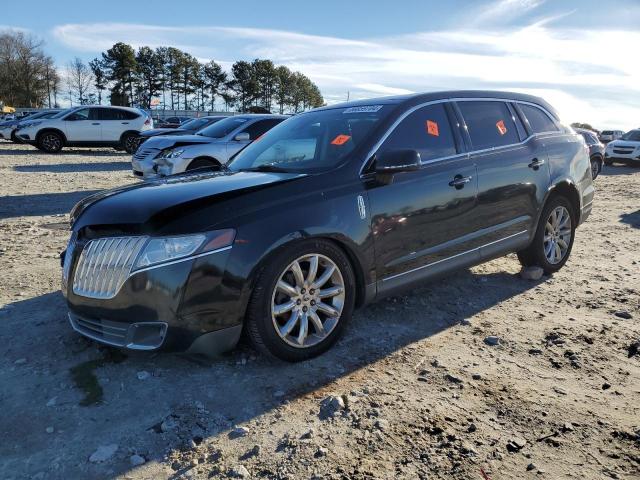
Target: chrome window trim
[
  {"x": 395, "y": 124},
  {"x": 385, "y": 279}
]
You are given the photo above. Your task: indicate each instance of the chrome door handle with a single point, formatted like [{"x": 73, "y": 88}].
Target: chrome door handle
[
  {"x": 535, "y": 163},
  {"x": 459, "y": 181}
]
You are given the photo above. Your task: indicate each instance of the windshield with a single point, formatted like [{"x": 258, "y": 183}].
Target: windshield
[
  {"x": 311, "y": 142},
  {"x": 62, "y": 113},
  {"x": 633, "y": 135},
  {"x": 194, "y": 124},
  {"x": 223, "y": 127}
]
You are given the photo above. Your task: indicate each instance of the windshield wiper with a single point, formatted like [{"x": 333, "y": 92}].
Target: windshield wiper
[{"x": 265, "y": 168}]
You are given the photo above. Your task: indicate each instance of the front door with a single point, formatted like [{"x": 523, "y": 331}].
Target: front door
[
  {"x": 83, "y": 126},
  {"x": 420, "y": 221}
]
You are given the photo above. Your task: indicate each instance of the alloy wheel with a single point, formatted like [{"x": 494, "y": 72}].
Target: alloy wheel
[
  {"x": 51, "y": 142},
  {"x": 307, "y": 301},
  {"x": 131, "y": 144},
  {"x": 595, "y": 169},
  {"x": 557, "y": 235}
]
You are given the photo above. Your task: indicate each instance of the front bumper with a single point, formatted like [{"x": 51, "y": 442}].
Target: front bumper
[{"x": 170, "y": 306}]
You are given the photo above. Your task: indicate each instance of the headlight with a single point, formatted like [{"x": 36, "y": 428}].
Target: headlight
[
  {"x": 27, "y": 125},
  {"x": 172, "y": 153},
  {"x": 166, "y": 249}
]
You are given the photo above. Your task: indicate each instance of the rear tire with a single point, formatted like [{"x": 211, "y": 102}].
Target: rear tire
[
  {"x": 596, "y": 166},
  {"x": 50, "y": 142},
  {"x": 130, "y": 143},
  {"x": 298, "y": 313},
  {"x": 608, "y": 163},
  {"x": 553, "y": 240}
]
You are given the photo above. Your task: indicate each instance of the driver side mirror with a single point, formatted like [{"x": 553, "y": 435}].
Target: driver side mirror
[
  {"x": 396, "y": 161},
  {"x": 242, "y": 137}
]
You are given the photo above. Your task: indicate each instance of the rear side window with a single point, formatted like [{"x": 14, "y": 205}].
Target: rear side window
[
  {"x": 259, "y": 128},
  {"x": 490, "y": 124},
  {"x": 116, "y": 114},
  {"x": 537, "y": 119},
  {"x": 426, "y": 130}
]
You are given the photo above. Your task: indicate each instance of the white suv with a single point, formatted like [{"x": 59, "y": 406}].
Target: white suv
[{"x": 87, "y": 126}]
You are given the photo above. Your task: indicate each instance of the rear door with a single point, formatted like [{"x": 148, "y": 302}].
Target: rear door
[
  {"x": 115, "y": 122},
  {"x": 421, "y": 220},
  {"x": 513, "y": 174},
  {"x": 83, "y": 125}
]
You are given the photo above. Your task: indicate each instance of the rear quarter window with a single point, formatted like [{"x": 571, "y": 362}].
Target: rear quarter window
[
  {"x": 537, "y": 119},
  {"x": 490, "y": 124},
  {"x": 426, "y": 130}
]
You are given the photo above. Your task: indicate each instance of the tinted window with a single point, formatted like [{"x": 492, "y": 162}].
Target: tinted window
[
  {"x": 589, "y": 138},
  {"x": 538, "y": 120},
  {"x": 223, "y": 127},
  {"x": 259, "y": 128},
  {"x": 195, "y": 124},
  {"x": 82, "y": 114},
  {"x": 490, "y": 124},
  {"x": 426, "y": 130}
]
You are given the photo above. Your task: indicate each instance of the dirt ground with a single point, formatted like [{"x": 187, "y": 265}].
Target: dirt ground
[{"x": 413, "y": 390}]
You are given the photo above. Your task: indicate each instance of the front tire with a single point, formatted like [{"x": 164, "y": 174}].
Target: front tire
[
  {"x": 302, "y": 300},
  {"x": 50, "y": 142},
  {"x": 553, "y": 240}
]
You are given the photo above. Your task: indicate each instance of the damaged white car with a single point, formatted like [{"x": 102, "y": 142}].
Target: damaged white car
[{"x": 210, "y": 147}]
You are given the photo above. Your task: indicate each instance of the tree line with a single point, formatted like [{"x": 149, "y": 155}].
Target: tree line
[
  {"x": 162, "y": 77},
  {"x": 177, "y": 80},
  {"x": 28, "y": 77}
]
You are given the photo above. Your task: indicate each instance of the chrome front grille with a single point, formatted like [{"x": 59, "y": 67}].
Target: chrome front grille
[
  {"x": 623, "y": 151},
  {"x": 104, "y": 265},
  {"x": 143, "y": 153}
]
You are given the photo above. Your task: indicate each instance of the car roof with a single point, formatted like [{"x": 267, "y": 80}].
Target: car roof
[
  {"x": 252, "y": 116},
  {"x": 418, "y": 98}
]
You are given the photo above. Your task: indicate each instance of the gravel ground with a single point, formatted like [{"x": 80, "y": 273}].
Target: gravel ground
[{"x": 415, "y": 389}]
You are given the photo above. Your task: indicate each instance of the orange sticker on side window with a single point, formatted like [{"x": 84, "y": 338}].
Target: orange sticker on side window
[
  {"x": 340, "y": 140},
  {"x": 432, "y": 128},
  {"x": 501, "y": 127}
]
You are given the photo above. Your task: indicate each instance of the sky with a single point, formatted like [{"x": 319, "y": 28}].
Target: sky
[{"x": 580, "y": 55}]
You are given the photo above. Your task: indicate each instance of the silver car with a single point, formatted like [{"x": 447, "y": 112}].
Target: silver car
[{"x": 211, "y": 146}]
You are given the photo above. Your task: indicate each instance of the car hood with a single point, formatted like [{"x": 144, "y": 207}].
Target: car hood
[
  {"x": 624, "y": 143},
  {"x": 165, "y": 131},
  {"x": 147, "y": 207},
  {"x": 172, "y": 140}
]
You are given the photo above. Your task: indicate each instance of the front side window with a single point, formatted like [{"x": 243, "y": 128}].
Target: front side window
[
  {"x": 259, "y": 128},
  {"x": 222, "y": 128},
  {"x": 311, "y": 142},
  {"x": 82, "y": 114},
  {"x": 426, "y": 130},
  {"x": 489, "y": 123},
  {"x": 537, "y": 119}
]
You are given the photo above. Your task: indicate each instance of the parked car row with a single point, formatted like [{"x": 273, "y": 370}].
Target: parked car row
[
  {"x": 327, "y": 211},
  {"x": 9, "y": 128},
  {"x": 596, "y": 150}
]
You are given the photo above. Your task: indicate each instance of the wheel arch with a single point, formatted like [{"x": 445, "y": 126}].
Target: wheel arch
[
  {"x": 339, "y": 242},
  {"x": 203, "y": 157},
  {"x": 48, "y": 130},
  {"x": 128, "y": 132},
  {"x": 567, "y": 189}
]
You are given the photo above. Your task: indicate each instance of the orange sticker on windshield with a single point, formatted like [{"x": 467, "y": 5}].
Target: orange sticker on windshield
[
  {"x": 501, "y": 127},
  {"x": 432, "y": 128},
  {"x": 341, "y": 140}
]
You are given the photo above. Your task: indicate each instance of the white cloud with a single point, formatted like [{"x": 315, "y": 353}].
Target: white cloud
[
  {"x": 575, "y": 69},
  {"x": 502, "y": 11}
]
